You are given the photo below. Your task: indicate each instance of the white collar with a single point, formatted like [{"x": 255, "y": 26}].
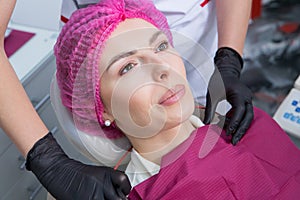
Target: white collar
[{"x": 139, "y": 169}]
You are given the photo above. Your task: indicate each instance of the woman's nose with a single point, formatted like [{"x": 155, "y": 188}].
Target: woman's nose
[
  {"x": 159, "y": 66},
  {"x": 161, "y": 72}
]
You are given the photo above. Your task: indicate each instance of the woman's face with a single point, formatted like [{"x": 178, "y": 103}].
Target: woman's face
[{"x": 143, "y": 81}]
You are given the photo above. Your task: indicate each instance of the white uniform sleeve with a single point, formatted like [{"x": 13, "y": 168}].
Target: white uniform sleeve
[{"x": 193, "y": 19}]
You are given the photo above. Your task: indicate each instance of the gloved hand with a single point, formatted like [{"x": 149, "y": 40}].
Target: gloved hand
[
  {"x": 228, "y": 67},
  {"x": 67, "y": 179}
]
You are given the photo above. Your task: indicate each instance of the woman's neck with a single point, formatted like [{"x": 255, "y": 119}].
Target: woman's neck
[{"x": 154, "y": 148}]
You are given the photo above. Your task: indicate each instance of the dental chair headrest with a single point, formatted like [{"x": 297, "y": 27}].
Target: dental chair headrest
[{"x": 98, "y": 149}]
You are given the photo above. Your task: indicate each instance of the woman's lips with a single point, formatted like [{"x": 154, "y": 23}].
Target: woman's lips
[{"x": 172, "y": 95}]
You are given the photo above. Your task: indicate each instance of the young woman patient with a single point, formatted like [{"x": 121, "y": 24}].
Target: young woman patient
[{"x": 119, "y": 77}]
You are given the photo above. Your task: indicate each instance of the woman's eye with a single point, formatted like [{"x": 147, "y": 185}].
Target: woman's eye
[
  {"x": 126, "y": 68},
  {"x": 163, "y": 46}
]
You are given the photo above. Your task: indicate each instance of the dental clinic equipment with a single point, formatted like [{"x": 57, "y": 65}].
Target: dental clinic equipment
[{"x": 288, "y": 113}]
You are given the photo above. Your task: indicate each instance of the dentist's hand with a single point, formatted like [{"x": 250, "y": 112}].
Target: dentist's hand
[
  {"x": 67, "y": 179},
  {"x": 228, "y": 66}
]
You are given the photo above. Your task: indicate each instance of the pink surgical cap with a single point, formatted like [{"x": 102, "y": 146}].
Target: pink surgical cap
[{"x": 78, "y": 52}]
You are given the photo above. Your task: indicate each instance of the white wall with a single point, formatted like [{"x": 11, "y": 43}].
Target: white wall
[{"x": 38, "y": 13}]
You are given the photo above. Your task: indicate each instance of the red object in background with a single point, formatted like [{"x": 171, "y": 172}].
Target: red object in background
[
  {"x": 64, "y": 19},
  {"x": 256, "y": 9},
  {"x": 290, "y": 27},
  {"x": 16, "y": 40}
]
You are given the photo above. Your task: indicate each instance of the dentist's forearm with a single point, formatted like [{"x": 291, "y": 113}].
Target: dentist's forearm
[
  {"x": 18, "y": 118},
  {"x": 233, "y": 18},
  {"x": 6, "y": 8}
]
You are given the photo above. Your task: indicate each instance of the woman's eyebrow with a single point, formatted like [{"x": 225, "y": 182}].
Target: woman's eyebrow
[
  {"x": 120, "y": 56},
  {"x": 155, "y": 36},
  {"x": 130, "y": 53}
]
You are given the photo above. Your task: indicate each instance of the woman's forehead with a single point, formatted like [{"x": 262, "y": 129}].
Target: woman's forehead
[
  {"x": 131, "y": 26},
  {"x": 130, "y": 35}
]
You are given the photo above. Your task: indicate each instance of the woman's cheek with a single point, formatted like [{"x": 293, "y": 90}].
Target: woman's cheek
[
  {"x": 180, "y": 67},
  {"x": 140, "y": 105}
]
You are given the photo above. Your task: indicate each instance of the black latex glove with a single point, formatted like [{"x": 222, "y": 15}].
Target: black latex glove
[
  {"x": 228, "y": 67},
  {"x": 67, "y": 179}
]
